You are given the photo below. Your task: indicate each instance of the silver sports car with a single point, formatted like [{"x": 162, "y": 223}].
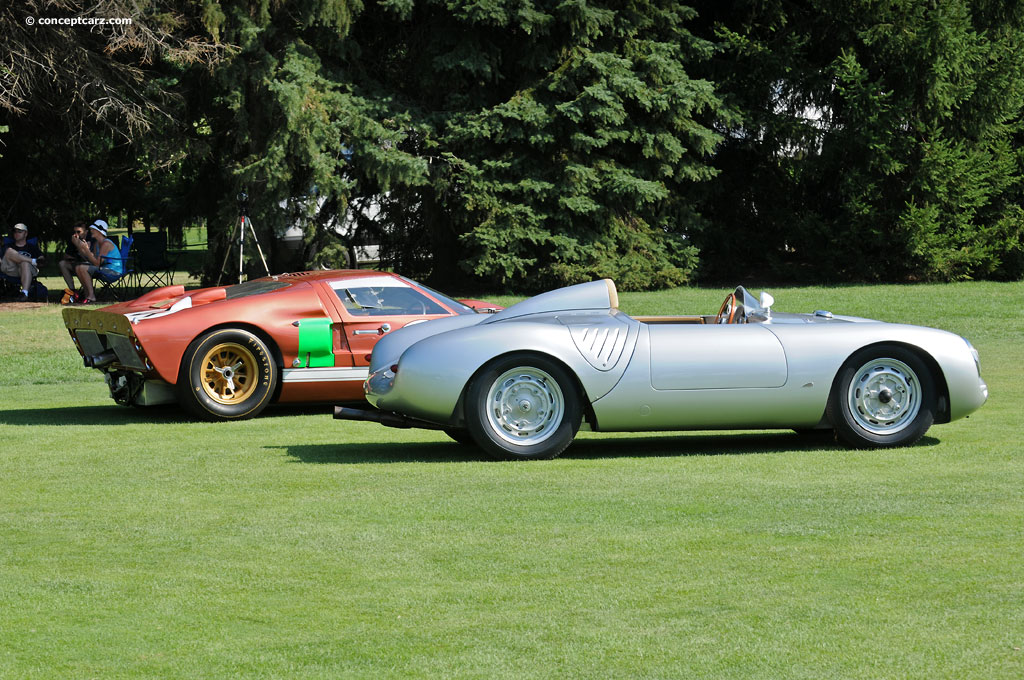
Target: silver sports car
[{"x": 521, "y": 382}]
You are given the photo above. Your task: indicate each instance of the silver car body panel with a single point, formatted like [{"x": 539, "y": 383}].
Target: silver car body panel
[
  {"x": 636, "y": 405},
  {"x": 818, "y": 352},
  {"x": 433, "y": 372},
  {"x": 595, "y": 295},
  {"x": 389, "y": 348},
  {"x": 698, "y": 356},
  {"x": 776, "y": 371},
  {"x": 600, "y": 338},
  {"x": 814, "y": 353}
]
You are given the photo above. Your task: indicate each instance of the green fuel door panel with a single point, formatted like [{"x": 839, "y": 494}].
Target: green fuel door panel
[{"x": 316, "y": 346}]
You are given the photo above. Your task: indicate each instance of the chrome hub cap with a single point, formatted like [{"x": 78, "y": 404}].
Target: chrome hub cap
[
  {"x": 884, "y": 396},
  {"x": 524, "y": 406}
]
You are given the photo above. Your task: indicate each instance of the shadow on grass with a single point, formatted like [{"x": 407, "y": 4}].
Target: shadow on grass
[
  {"x": 114, "y": 414},
  {"x": 92, "y": 415},
  {"x": 641, "y": 446},
  {"x": 409, "y": 452},
  {"x": 702, "y": 444}
]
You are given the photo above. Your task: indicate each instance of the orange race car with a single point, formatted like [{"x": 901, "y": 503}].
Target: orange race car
[{"x": 227, "y": 352}]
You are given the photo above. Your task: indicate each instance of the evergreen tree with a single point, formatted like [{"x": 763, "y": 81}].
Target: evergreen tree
[
  {"x": 534, "y": 144},
  {"x": 530, "y": 144},
  {"x": 877, "y": 140},
  {"x": 569, "y": 132},
  {"x": 284, "y": 122}
]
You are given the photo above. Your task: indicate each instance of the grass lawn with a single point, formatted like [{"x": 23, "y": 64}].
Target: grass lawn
[{"x": 134, "y": 542}]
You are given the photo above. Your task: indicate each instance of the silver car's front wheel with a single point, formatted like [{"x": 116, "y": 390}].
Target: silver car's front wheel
[
  {"x": 523, "y": 406},
  {"x": 883, "y": 396}
]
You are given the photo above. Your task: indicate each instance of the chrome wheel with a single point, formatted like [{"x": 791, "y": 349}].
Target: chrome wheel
[
  {"x": 524, "y": 406},
  {"x": 884, "y": 396}
]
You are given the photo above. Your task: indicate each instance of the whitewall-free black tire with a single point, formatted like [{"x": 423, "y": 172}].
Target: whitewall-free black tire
[
  {"x": 523, "y": 406},
  {"x": 883, "y": 396},
  {"x": 227, "y": 374}
]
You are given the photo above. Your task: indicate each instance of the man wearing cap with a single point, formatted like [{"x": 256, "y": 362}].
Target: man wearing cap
[
  {"x": 102, "y": 260},
  {"x": 21, "y": 257}
]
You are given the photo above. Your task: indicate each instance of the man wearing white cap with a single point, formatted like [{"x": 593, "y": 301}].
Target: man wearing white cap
[
  {"x": 102, "y": 260},
  {"x": 21, "y": 257}
]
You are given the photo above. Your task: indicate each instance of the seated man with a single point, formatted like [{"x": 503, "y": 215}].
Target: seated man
[
  {"x": 21, "y": 257},
  {"x": 102, "y": 260}
]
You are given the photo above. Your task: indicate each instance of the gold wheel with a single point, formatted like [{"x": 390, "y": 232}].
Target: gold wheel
[{"x": 229, "y": 373}]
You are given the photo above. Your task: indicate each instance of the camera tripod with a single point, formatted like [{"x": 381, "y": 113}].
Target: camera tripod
[{"x": 239, "y": 228}]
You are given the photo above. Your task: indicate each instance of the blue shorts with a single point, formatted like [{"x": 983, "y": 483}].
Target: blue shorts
[{"x": 105, "y": 274}]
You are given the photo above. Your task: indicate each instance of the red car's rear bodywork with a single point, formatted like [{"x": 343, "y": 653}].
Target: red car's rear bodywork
[{"x": 319, "y": 327}]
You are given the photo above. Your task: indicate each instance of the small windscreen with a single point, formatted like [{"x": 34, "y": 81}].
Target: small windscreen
[
  {"x": 253, "y": 288},
  {"x": 387, "y": 301}
]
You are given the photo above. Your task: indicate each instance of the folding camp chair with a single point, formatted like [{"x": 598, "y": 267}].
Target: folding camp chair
[
  {"x": 120, "y": 288},
  {"x": 153, "y": 267}
]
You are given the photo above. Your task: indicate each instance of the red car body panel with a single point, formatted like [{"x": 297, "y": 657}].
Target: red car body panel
[{"x": 161, "y": 325}]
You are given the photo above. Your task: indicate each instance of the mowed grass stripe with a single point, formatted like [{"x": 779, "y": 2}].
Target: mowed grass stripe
[{"x": 135, "y": 542}]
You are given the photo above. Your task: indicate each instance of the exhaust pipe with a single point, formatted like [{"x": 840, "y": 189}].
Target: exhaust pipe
[
  {"x": 99, "y": 360},
  {"x": 385, "y": 418}
]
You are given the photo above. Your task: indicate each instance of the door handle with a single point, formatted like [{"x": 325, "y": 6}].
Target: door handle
[{"x": 384, "y": 328}]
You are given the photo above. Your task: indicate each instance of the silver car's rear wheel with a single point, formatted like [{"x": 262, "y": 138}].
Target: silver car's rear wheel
[
  {"x": 523, "y": 406},
  {"x": 883, "y": 396}
]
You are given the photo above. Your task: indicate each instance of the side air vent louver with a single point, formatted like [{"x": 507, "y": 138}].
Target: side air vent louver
[{"x": 600, "y": 344}]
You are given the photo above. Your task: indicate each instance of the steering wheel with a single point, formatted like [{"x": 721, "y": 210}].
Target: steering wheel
[{"x": 729, "y": 306}]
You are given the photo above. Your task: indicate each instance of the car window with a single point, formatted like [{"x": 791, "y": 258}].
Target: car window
[
  {"x": 454, "y": 304},
  {"x": 387, "y": 301}
]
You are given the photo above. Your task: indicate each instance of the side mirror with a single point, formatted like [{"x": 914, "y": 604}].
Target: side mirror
[{"x": 766, "y": 300}]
